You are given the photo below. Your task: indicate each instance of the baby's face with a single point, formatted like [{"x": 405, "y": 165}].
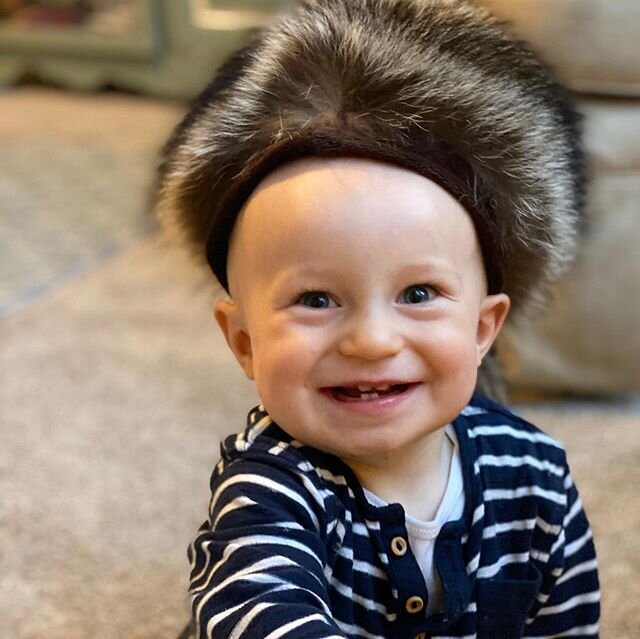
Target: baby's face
[{"x": 358, "y": 305}]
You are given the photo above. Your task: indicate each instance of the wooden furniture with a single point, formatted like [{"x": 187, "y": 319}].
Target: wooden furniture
[{"x": 169, "y": 48}]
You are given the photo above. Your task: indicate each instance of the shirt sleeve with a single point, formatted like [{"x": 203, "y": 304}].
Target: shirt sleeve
[
  {"x": 257, "y": 564},
  {"x": 568, "y": 604}
]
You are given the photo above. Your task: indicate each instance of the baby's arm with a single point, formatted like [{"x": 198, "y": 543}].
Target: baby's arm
[
  {"x": 569, "y": 601},
  {"x": 258, "y": 563}
]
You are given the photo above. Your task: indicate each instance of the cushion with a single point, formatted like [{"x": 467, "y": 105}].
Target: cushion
[
  {"x": 588, "y": 340},
  {"x": 593, "y": 44}
]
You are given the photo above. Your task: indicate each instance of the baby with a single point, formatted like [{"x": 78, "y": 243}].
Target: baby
[{"x": 375, "y": 184}]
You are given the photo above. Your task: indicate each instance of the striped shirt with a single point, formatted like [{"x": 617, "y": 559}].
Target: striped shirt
[{"x": 293, "y": 549}]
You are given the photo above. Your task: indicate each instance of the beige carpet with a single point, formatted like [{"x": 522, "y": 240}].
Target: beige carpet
[{"x": 115, "y": 388}]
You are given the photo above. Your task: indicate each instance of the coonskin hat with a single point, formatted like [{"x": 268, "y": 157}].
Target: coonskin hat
[{"x": 436, "y": 86}]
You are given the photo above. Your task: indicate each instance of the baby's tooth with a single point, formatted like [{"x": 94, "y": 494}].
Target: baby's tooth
[{"x": 371, "y": 389}]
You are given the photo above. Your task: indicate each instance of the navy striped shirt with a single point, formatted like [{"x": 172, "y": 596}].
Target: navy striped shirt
[{"x": 292, "y": 548}]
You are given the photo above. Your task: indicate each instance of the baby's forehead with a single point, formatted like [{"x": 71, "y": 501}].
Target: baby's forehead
[
  {"x": 349, "y": 213},
  {"x": 330, "y": 190}
]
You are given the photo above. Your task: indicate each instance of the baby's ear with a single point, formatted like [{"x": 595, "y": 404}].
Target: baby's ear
[
  {"x": 231, "y": 323},
  {"x": 493, "y": 312}
]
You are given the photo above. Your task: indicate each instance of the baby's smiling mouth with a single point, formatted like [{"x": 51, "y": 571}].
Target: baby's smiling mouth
[{"x": 365, "y": 392}]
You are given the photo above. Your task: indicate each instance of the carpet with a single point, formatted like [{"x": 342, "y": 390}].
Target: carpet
[
  {"x": 116, "y": 389},
  {"x": 74, "y": 175}
]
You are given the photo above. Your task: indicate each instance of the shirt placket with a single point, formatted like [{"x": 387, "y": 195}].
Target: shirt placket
[{"x": 406, "y": 579}]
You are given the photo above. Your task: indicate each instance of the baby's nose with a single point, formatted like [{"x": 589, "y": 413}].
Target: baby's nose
[{"x": 371, "y": 337}]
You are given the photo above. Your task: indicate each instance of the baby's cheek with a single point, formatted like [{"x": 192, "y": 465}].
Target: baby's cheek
[
  {"x": 282, "y": 362},
  {"x": 451, "y": 349}
]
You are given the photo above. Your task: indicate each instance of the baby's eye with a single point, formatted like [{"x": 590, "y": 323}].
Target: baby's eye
[
  {"x": 315, "y": 299},
  {"x": 417, "y": 294}
]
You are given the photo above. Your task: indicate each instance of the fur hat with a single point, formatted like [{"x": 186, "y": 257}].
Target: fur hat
[{"x": 437, "y": 86}]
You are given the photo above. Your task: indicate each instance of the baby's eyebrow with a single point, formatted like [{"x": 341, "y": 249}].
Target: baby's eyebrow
[
  {"x": 303, "y": 276},
  {"x": 311, "y": 271},
  {"x": 429, "y": 268}
]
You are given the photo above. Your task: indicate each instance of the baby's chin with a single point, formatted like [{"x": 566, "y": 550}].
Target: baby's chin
[
  {"x": 387, "y": 454},
  {"x": 361, "y": 449}
]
